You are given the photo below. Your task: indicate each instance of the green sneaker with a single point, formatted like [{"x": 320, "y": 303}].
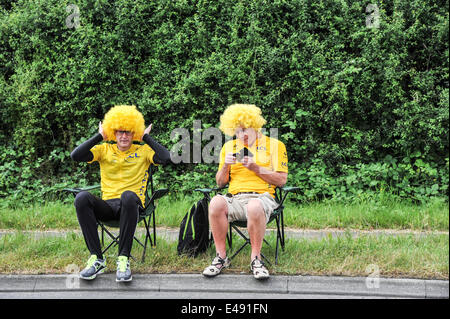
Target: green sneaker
[
  {"x": 123, "y": 269},
  {"x": 94, "y": 267}
]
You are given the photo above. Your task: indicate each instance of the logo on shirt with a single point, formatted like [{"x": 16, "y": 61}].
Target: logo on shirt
[
  {"x": 127, "y": 159},
  {"x": 143, "y": 184}
]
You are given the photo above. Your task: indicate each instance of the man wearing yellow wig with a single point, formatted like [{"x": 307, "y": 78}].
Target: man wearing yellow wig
[
  {"x": 123, "y": 169},
  {"x": 253, "y": 165}
]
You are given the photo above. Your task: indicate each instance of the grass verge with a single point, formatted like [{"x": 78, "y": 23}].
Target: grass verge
[
  {"x": 384, "y": 214},
  {"x": 406, "y": 256}
]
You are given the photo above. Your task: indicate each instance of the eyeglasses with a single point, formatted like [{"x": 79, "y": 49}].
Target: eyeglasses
[
  {"x": 242, "y": 130},
  {"x": 127, "y": 133}
]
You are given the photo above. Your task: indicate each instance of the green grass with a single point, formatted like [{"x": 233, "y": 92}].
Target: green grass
[
  {"x": 52, "y": 215},
  {"x": 385, "y": 214},
  {"x": 395, "y": 256},
  {"x": 406, "y": 256}
]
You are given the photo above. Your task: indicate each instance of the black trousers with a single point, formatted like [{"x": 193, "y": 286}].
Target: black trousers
[{"x": 124, "y": 209}]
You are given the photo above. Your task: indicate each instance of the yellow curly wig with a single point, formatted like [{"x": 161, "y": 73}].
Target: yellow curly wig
[
  {"x": 237, "y": 115},
  {"x": 126, "y": 118}
]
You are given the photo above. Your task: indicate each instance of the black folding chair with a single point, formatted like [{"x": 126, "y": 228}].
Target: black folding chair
[
  {"x": 277, "y": 215},
  {"x": 147, "y": 215}
]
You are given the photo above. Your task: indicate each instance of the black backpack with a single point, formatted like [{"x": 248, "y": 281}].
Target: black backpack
[{"x": 194, "y": 238}]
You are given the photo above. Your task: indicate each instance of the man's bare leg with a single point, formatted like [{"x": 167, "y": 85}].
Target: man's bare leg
[
  {"x": 218, "y": 221},
  {"x": 256, "y": 225}
]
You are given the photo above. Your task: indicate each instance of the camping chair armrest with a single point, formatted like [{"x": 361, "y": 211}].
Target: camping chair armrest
[
  {"x": 288, "y": 189},
  {"x": 159, "y": 193},
  {"x": 76, "y": 190},
  {"x": 150, "y": 201},
  {"x": 207, "y": 191}
]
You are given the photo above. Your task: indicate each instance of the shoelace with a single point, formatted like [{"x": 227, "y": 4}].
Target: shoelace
[
  {"x": 218, "y": 261},
  {"x": 122, "y": 264},
  {"x": 256, "y": 263},
  {"x": 91, "y": 261}
]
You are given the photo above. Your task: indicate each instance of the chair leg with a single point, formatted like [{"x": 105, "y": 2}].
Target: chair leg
[
  {"x": 147, "y": 238},
  {"x": 282, "y": 238},
  {"x": 247, "y": 240},
  {"x": 278, "y": 241},
  {"x": 138, "y": 241},
  {"x": 239, "y": 250},
  {"x": 154, "y": 230},
  {"x": 115, "y": 239},
  {"x": 115, "y": 242},
  {"x": 230, "y": 238},
  {"x": 143, "y": 245},
  {"x": 267, "y": 243},
  {"x": 103, "y": 232},
  {"x": 265, "y": 258}
]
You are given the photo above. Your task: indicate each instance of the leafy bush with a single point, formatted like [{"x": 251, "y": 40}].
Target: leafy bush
[{"x": 360, "y": 109}]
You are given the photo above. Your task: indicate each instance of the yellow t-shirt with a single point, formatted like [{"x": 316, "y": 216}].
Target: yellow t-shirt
[
  {"x": 122, "y": 171},
  {"x": 267, "y": 152}
]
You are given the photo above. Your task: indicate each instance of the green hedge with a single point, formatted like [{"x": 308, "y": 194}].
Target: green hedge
[{"x": 360, "y": 109}]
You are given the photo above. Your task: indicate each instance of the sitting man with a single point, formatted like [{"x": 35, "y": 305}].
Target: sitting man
[
  {"x": 253, "y": 165},
  {"x": 123, "y": 170}
]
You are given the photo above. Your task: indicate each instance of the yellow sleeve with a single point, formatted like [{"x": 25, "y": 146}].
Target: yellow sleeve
[
  {"x": 228, "y": 147},
  {"x": 150, "y": 155},
  {"x": 97, "y": 151},
  {"x": 221, "y": 158},
  {"x": 280, "y": 158}
]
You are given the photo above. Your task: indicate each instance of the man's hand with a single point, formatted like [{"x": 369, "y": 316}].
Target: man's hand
[
  {"x": 230, "y": 159},
  {"x": 223, "y": 175},
  {"x": 100, "y": 130},
  {"x": 249, "y": 163},
  {"x": 147, "y": 130},
  {"x": 271, "y": 177}
]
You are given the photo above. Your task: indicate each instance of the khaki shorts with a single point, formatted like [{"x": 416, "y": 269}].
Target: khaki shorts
[{"x": 237, "y": 205}]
